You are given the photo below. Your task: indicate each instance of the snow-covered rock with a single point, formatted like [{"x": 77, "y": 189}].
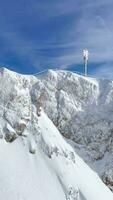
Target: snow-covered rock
[
  {"x": 10, "y": 134},
  {"x": 82, "y": 109},
  {"x": 53, "y": 169}
]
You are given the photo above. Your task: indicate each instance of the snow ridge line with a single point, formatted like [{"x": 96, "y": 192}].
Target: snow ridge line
[
  {"x": 73, "y": 71},
  {"x": 58, "y": 69}
]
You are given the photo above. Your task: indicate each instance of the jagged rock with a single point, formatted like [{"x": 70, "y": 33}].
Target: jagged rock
[
  {"x": 10, "y": 134},
  {"x": 10, "y": 137},
  {"x": 72, "y": 156},
  {"x": 72, "y": 194},
  {"x": 107, "y": 178},
  {"x": 20, "y": 127},
  {"x": 39, "y": 109}
]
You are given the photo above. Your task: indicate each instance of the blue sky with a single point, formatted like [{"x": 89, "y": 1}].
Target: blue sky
[{"x": 40, "y": 34}]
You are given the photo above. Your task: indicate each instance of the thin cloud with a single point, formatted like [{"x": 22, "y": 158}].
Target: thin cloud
[{"x": 104, "y": 71}]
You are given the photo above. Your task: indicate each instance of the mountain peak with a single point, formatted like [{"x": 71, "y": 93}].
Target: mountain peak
[{"x": 4, "y": 70}]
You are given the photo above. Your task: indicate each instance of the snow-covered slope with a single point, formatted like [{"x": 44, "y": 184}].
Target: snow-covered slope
[
  {"x": 82, "y": 109},
  {"x": 36, "y": 161}
]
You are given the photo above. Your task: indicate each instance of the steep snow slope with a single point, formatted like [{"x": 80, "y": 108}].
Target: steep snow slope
[
  {"x": 53, "y": 172},
  {"x": 24, "y": 176},
  {"x": 74, "y": 173},
  {"x": 36, "y": 161}
]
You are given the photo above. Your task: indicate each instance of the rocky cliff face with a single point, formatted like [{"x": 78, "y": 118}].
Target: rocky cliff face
[{"x": 80, "y": 107}]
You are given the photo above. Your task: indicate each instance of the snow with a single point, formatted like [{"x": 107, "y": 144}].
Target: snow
[
  {"x": 26, "y": 177},
  {"x": 82, "y": 109},
  {"x": 78, "y": 174},
  {"x": 40, "y": 163}
]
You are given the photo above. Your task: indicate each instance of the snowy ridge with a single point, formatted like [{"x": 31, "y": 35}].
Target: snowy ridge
[{"x": 36, "y": 161}]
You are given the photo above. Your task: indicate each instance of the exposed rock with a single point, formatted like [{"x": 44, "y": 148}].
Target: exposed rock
[
  {"x": 72, "y": 194},
  {"x": 10, "y": 134},
  {"x": 10, "y": 137},
  {"x": 107, "y": 178},
  {"x": 32, "y": 147},
  {"x": 20, "y": 127}
]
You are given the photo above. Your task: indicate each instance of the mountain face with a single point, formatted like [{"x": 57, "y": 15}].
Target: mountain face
[
  {"x": 82, "y": 109},
  {"x": 41, "y": 149}
]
